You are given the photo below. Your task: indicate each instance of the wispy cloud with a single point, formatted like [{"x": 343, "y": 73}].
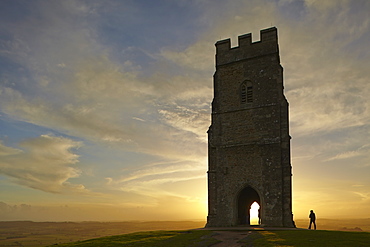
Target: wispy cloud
[
  {"x": 362, "y": 151},
  {"x": 196, "y": 56},
  {"x": 5, "y": 151},
  {"x": 46, "y": 164},
  {"x": 153, "y": 179},
  {"x": 363, "y": 195}
]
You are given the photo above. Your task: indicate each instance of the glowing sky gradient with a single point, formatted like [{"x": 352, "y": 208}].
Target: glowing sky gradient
[{"x": 104, "y": 105}]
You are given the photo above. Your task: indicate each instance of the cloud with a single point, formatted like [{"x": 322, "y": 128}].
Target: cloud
[
  {"x": 185, "y": 119},
  {"x": 345, "y": 155},
  {"x": 166, "y": 208},
  {"x": 77, "y": 86},
  {"x": 365, "y": 196},
  {"x": 325, "y": 81},
  {"x": 196, "y": 56},
  {"x": 358, "y": 158},
  {"x": 323, "y": 6},
  {"x": 152, "y": 179},
  {"x": 5, "y": 151},
  {"x": 100, "y": 102},
  {"x": 156, "y": 183},
  {"x": 324, "y": 195},
  {"x": 45, "y": 163}
]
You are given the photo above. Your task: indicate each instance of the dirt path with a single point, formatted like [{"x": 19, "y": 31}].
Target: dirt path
[{"x": 231, "y": 238}]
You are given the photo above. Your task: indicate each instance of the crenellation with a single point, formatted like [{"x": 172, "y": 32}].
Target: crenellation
[
  {"x": 223, "y": 46},
  {"x": 245, "y": 40},
  {"x": 246, "y": 49},
  {"x": 269, "y": 34}
]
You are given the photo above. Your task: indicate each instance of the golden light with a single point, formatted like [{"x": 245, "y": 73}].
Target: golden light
[{"x": 253, "y": 211}]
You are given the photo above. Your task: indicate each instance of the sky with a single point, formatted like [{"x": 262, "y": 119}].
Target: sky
[{"x": 105, "y": 105}]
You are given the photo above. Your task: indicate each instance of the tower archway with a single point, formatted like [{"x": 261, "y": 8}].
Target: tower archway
[{"x": 246, "y": 198}]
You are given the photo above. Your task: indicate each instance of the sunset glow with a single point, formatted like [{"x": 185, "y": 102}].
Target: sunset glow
[
  {"x": 254, "y": 213},
  {"x": 105, "y": 105}
]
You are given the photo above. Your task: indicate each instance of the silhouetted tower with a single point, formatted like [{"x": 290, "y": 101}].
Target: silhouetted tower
[{"x": 248, "y": 140}]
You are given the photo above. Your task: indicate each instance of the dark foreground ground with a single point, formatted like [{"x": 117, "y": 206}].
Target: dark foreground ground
[
  {"x": 27, "y": 233},
  {"x": 243, "y": 237}
]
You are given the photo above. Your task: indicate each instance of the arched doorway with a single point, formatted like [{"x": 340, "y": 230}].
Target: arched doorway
[{"x": 245, "y": 199}]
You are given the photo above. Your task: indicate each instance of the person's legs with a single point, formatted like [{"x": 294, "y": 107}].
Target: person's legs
[{"x": 314, "y": 225}]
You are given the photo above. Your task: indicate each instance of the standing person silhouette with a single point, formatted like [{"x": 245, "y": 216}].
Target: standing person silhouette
[{"x": 312, "y": 217}]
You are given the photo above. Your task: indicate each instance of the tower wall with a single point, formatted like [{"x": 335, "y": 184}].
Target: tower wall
[{"x": 248, "y": 140}]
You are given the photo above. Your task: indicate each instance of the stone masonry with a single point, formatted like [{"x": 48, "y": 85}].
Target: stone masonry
[{"x": 248, "y": 140}]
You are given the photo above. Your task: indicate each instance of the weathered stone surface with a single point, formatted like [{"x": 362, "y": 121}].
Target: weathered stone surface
[{"x": 248, "y": 140}]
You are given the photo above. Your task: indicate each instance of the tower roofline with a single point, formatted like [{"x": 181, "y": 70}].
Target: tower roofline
[
  {"x": 246, "y": 48},
  {"x": 269, "y": 34}
]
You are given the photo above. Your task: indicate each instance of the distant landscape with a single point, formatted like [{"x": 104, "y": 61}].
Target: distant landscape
[
  {"x": 338, "y": 225},
  {"x": 28, "y": 233}
]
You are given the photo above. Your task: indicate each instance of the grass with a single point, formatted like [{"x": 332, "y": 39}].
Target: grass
[
  {"x": 196, "y": 238},
  {"x": 36, "y": 234},
  {"x": 312, "y": 238},
  {"x": 151, "y": 239}
]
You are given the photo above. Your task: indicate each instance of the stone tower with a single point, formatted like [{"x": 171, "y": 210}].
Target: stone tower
[{"x": 248, "y": 140}]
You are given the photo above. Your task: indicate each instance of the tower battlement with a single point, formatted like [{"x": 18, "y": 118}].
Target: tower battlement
[{"x": 246, "y": 49}]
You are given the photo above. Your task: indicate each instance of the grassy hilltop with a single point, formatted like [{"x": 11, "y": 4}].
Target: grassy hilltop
[
  {"x": 353, "y": 232},
  {"x": 253, "y": 238}
]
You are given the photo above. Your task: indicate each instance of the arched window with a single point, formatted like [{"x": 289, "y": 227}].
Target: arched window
[{"x": 246, "y": 92}]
